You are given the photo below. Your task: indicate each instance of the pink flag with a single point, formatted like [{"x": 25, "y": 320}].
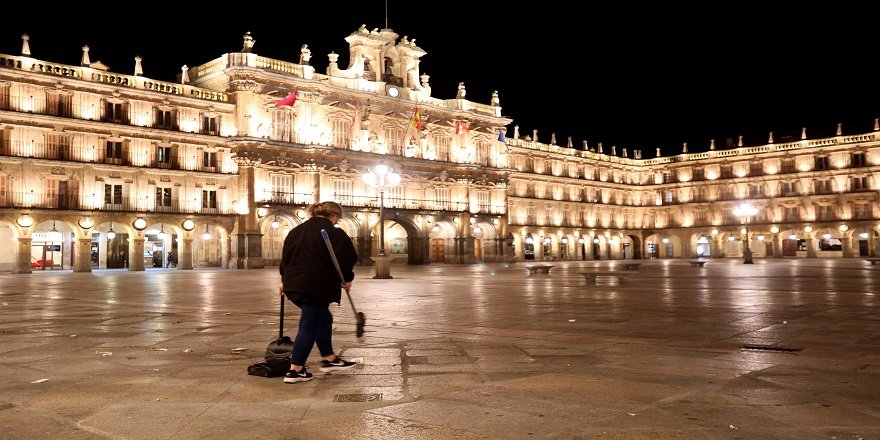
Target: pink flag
[{"x": 289, "y": 100}]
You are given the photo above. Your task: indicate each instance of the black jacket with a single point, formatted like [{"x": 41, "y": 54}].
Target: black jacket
[{"x": 307, "y": 270}]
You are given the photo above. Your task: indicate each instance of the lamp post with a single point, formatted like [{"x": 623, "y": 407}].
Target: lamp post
[
  {"x": 746, "y": 211},
  {"x": 382, "y": 178}
]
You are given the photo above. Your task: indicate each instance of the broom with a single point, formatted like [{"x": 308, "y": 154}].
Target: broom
[{"x": 359, "y": 316}]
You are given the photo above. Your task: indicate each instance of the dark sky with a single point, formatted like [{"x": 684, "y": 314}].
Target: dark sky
[{"x": 630, "y": 75}]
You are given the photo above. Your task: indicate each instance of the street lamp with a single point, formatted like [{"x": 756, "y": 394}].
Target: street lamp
[
  {"x": 382, "y": 178},
  {"x": 746, "y": 211}
]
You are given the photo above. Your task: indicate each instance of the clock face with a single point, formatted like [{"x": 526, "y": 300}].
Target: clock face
[{"x": 393, "y": 92}]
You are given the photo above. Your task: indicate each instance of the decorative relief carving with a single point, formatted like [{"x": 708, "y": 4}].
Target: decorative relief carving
[
  {"x": 247, "y": 158},
  {"x": 310, "y": 97},
  {"x": 115, "y": 175},
  {"x": 164, "y": 178},
  {"x": 282, "y": 159},
  {"x": 244, "y": 83},
  {"x": 210, "y": 182},
  {"x": 58, "y": 170}
]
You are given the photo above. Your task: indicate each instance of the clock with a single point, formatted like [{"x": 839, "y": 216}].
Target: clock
[{"x": 393, "y": 92}]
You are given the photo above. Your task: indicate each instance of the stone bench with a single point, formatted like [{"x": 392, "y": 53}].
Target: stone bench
[
  {"x": 697, "y": 263},
  {"x": 536, "y": 268},
  {"x": 873, "y": 260},
  {"x": 594, "y": 275}
]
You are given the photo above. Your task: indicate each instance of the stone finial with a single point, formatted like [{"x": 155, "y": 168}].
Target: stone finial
[
  {"x": 684, "y": 148},
  {"x": 138, "y": 68},
  {"x": 405, "y": 40},
  {"x": 184, "y": 74},
  {"x": 586, "y": 147},
  {"x": 516, "y": 131},
  {"x": 876, "y": 124},
  {"x": 424, "y": 78},
  {"x": 839, "y": 128},
  {"x": 25, "y": 47},
  {"x": 614, "y": 150},
  {"x": 552, "y": 138},
  {"x": 739, "y": 143},
  {"x": 599, "y": 148},
  {"x": 624, "y": 153},
  {"x": 85, "y": 61},
  {"x": 770, "y": 139},
  {"x": 495, "y": 102},
  {"x": 535, "y": 135},
  {"x": 711, "y": 144},
  {"x": 804, "y": 133},
  {"x": 363, "y": 29},
  {"x": 462, "y": 92},
  {"x": 658, "y": 151},
  {"x": 249, "y": 41},
  {"x": 638, "y": 154},
  {"x": 305, "y": 54},
  {"x": 569, "y": 142}
]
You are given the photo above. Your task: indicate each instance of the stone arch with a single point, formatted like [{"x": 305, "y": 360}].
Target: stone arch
[
  {"x": 115, "y": 252},
  {"x": 274, "y": 229},
  {"x": 636, "y": 241},
  {"x": 701, "y": 245},
  {"x": 441, "y": 240},
  {"x": 401, "y": 234},
  {"x": 51, "y": 245}
]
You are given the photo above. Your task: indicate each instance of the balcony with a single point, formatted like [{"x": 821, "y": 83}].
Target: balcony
[
  {"x": 78, "y": 202},
  {"x": 91, "y": 154}
]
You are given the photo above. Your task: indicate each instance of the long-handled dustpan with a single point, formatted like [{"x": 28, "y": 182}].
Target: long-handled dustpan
[{"x": 359, "y": 316}]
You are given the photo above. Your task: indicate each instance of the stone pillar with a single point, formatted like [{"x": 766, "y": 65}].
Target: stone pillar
[
  {"x": 23, "y": 256},
  {"x": 247, "y": 241},
  {"x": 777, "y": 245},
  {"x": 136, "y": 253},
  {"x": 83, "y": 260},
  {"x": 811, "y": 247},
  {"x": 184, "y": 253},
  {"x": 848, "y": 249}
]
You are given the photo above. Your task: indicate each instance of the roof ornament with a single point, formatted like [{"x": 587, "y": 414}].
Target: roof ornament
[
  {"x": 249, "y": 41},
  {"x": 25, "y": 47}
]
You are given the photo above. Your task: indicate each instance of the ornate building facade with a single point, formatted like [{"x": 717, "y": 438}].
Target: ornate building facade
[{"x": 107, "y": 170}]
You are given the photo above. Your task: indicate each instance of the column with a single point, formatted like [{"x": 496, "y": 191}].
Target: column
[
  {"x": 23, "y": 256},
  {"x": 247, "y": 241},
  {"x": 811, "y": 247},
  {"x": 848, "y": 246},
  {"x": 83, "y": 250},
  {"x": 184, "y": 253},
  {"x": 136, "y": 252}
]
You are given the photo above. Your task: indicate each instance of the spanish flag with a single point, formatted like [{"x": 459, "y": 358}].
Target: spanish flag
[
  {"x": 417, "y": 119},
  {"x": 289, "y": 100}
]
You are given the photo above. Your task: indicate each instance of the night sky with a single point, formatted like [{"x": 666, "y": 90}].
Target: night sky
[{"x": 631, "y": 75}]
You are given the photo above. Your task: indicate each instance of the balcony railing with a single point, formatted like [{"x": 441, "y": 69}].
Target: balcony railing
[
  {"x": 92, "y": 112},
  {"x": 148, "y": 159},
  {"x": 38, "y": 200}
]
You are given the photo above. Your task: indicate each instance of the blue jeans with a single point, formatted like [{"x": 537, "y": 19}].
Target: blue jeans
[{"x": 315, "y": 327}]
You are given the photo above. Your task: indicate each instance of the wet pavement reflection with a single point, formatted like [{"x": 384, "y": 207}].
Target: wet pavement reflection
[{"x": 781, "y": 349}]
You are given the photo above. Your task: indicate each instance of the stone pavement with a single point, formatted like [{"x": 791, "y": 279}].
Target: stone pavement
[{"x": 782, "y": 349}]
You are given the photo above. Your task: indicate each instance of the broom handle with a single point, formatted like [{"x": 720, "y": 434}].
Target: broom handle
[
  {"x": 336, "y": 265},
  {"x": 281, "y": 318},
  {"x": 332, "y": 255}
]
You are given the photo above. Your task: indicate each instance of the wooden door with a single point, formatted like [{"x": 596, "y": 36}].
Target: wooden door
[{"x": 438, "y": 250}]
